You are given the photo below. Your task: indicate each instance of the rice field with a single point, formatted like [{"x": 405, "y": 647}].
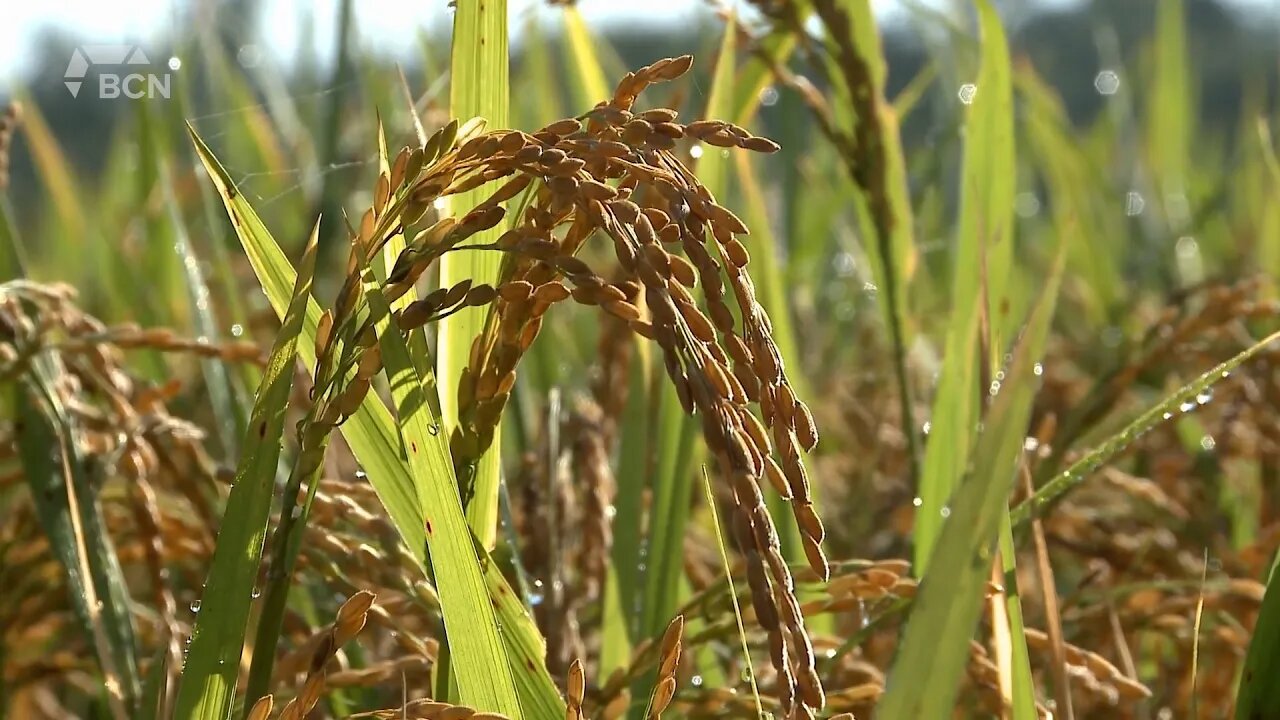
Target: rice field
[{"x": 529, "y": 382}]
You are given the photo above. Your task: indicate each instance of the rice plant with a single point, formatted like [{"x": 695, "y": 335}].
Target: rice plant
[{"x": 517, "y": 414}]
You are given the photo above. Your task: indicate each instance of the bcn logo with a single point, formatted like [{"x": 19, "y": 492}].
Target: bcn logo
[{"x": 132, "y": 85}]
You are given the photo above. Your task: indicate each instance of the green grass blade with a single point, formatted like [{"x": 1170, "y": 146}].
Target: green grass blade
[
  {"x": 586, "y": 72},
  {"x": 1259, "y": 695},
  {"x": 478, "y": 657},
  {"x": 208, "y": 683},
  {"x": 69, "y": 515},
  {"x": 713, "y": 166},
  {"x": 1169, "y": 114},
  {"x": 478, "y": 88},
  {"x": 926, "y": 673},
  {"x": 526, "y": 650},
  {"x": 984, "y": 249},
  {"x": 673, "y": 480},
  {"x": 1268, "y": 252},
  {"x": 1165, "y": 410},
  {"x": 620, "y": 626}
]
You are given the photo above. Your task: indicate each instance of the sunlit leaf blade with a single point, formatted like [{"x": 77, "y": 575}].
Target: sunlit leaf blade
[
  {"x": 479, "y": 81},
  {"x": 526, "y": 649},
  {"x": 208, "y": 681},
  {"x": 479, "y": 659},
  {"x": 926, "y": 673},
  {"x": 984, "y": 251},
  {"x": 586, "y": 73},
  {"x": 1170, "y": 115}
]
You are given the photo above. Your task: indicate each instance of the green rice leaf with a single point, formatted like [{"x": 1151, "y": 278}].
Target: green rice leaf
[
  {"x": 1258, "y": 695},
  {"x": 984, "y": 251},
  {"x": 1164, "y": 411},
  {"x": 478, "y": 88},
  {"x": 68, "y": 512},
  {"x": 935, "y": 648},
  {"x": 479, "y": 660},
  {"x": 586, "y": 71},
  {"x": 208, "y": 684}
]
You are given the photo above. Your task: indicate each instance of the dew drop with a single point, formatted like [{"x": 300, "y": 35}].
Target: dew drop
[
  {"x": 1187, "y": 406},
  {"x": 967, "y": 93},
  {"x": 945, "y": 511},
  {"x": 1134, "y": 203},
  {"x": 1038, "y": 369},
  {"x": 917, "y": 501},
  {"x": 1204, "y": 396},
  {"x": 1106, "y": 82},
  {"x": 195, "y": 606}
]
